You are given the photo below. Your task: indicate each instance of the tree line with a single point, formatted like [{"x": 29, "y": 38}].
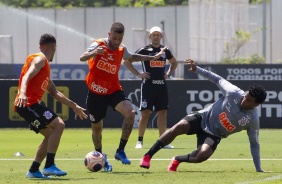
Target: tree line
[{"x": 95, "y": 3}]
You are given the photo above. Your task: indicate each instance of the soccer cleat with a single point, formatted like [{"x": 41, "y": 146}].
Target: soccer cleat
[
  {"x": 139, "y": 145},
  {"x": 145, "y": 162},
  {"x": 173, "y": 165},
  {"x": 120, "y": 155},
  {"x": 107, "y": 166},
  {"x": 53, "y": 170},
  {"x": 36, "y": 174},
  {"x": 168, "y": 146}
]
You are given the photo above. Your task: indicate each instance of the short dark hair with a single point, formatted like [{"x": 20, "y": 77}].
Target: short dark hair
[
  {"x": 47, "y": 39},
  {"x": 117, "y": 27},
  {"x": 258, "y": 92}
]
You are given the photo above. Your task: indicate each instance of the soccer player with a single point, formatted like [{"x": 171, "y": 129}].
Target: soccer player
[
  {"x": 233, "y": 112},
  {"x": 153, "y": 87},
  {"x": 104, "y": 57},
  {"x": 34, "y": 80}
]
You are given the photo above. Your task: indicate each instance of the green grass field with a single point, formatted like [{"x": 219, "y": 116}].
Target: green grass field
[{"x": 231, "y": 163}]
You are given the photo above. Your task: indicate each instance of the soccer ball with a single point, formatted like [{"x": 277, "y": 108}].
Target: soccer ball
[{"x": 94, "y": 161}]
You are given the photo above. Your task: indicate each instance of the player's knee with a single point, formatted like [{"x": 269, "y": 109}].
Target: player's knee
[
  {"x": 60, "y": 124},
  {"x": 130, "y": 117}
]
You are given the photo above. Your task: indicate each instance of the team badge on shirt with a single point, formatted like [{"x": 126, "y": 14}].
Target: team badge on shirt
[
  {"x": 47, "y": 114},
  {"x": 244, "y": 120}
]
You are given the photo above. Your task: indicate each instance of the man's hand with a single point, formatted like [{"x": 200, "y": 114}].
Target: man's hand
[
  {"x": 100, "y": 50},
  {"x": 79, "y": 112},
  {"x": 192, "y": 65},
  {"x": 21, "y": 101},
  {"x": 144, "y": 75}
]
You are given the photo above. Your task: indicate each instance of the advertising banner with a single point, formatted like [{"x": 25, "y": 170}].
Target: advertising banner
[
  {"x": 184, "y": 96},
  {"x": 241, "y": 72}
]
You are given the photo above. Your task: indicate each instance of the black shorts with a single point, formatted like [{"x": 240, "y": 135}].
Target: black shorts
[
  {"x": 38, "y": 116},
  {"x": 97, "y": 105},
  {"x": 154, "y": 95},
  {"x": 194, "y": 120}
]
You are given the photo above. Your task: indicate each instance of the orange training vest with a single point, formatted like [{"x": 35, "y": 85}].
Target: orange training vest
[
  {"x": 102, "y": 77},
  {"x": 38, "y": 84}
]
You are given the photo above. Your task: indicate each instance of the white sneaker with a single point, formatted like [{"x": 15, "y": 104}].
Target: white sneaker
[
  {"x": 169, "y": 146},
  {"x": 139, "y": 145}
]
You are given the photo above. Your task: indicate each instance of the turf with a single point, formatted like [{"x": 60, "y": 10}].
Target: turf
[{"x": 231, "y": 163}]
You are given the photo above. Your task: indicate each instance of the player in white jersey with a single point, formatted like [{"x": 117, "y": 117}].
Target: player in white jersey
[{"x": 233, "y": 112}]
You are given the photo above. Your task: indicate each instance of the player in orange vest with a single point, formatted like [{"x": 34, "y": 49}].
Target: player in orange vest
[
  {"x": 104, "y": 59},
  {"x": 34, "y": 81}
]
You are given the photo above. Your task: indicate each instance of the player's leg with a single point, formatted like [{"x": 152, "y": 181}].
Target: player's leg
[
  {"x": 97, "y": 107},
  {"x": 143, "y": 123},
  {"x": 54, "y": 133},
  {"x": 207, "y": 144},
  {"x": 39, "y": 157},
  {"x": 97, "y": 135},
  {"x": 162, "y": 121},
  {"x": 126, "y": 109},
  {"x": 146, "y": 107},
  {"x": 161, "y": 106},
  {"x": 162, "y": 125},
  {"x": 182, "y": 127},
  {"x": 38, "y": 117},
  {"x": 97, "y": 142}
]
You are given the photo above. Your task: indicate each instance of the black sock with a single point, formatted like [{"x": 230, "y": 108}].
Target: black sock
[
  {"x": 140, "y": 138},
  {"x": 182, "y": 158},
  {"x": 122, "y": 144},
  {"x": 99, "y": 149},
  {"x": 34, "y": 167},
  {"x": 155, "y": 148},
  {"x": 50, "y": 160}
]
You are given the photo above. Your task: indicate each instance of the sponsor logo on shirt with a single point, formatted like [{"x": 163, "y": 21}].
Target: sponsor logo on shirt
[
  {"x": 107, "y": 67},
  {"x": 225, "y": 122},
  {"x": 157, "y": 81},
  {"x": 45, "y": 84},
  {"x": 157, "y": 63},
  {"x": 110, "y": 57},
  {"x": 236, "y": 101},
  {"x": 98, "y": 88},
  {"x": 228, "y": 106}
]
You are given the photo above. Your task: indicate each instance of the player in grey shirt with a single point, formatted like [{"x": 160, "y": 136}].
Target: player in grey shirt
[{"x": 233, "y": 112}]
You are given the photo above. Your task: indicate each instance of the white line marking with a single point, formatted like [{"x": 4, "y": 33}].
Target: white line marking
[
  {"x": 278, "y": 177},
  {"x": 158, "y": 159}
]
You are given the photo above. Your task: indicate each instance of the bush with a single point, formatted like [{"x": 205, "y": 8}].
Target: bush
[{"x": 253, "y": 59}]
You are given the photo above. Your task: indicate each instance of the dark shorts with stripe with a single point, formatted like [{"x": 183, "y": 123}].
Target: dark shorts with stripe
[
  {"x": 97, "y": 105},
  {"x": 194, "y": 119},
  {"x": 154, "y": 95},
  {"x": 37, "y": 116}
]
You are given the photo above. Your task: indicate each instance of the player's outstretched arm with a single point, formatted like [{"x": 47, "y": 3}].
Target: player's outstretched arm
[
  {"x": 140, "y": 57},
  {"x": 79, "y": 111},
  {"x": 130, "y": 67}
]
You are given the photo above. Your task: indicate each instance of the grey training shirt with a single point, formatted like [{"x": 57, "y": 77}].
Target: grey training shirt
[{"x": 225, "y": 116}]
